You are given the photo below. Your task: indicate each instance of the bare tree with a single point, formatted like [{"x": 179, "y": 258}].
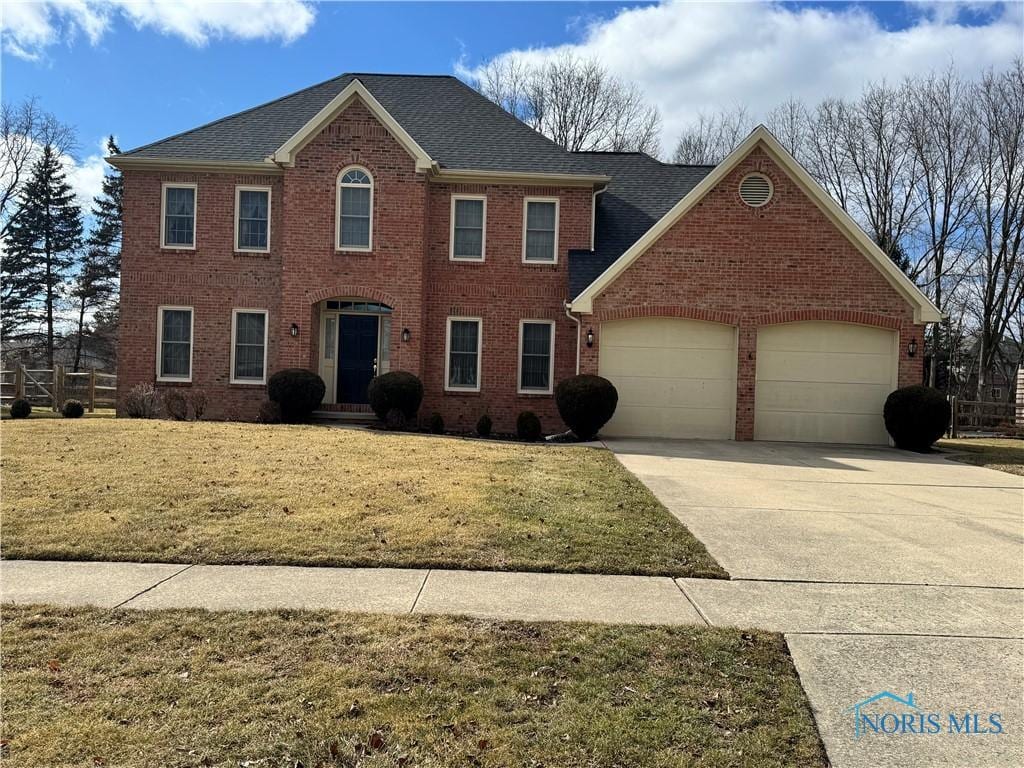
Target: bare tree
[
  {"x": 790, "y": 124},
  {"x": 713, "y": 136},
  {"x": 575, "y": 102},
  {"x": 25, "y": 128}
]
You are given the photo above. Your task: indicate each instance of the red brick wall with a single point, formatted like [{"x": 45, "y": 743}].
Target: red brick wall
[{"x": 726, "y": 262}]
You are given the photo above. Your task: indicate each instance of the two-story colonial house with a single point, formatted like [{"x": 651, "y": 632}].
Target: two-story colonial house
[{"x": 384, "y": 222}]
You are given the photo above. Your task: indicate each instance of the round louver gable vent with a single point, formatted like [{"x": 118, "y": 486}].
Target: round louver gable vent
[{"x": 756, "y": 190}]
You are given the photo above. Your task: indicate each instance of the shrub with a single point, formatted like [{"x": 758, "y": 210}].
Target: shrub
[
  {"x": 73, "y": 409},
  {"x": 916, "y": 417},
  {"x": 299, "y": 392},
  {"x": 395, "y": 420},
  {"x": 586, "y": 403},
  {"x": 436, "y": 424},
  {"x": 197, "y": 398},
  {"x": 176, "y": 404},
  {"x": 484, "y": 426},
  {"x": 21, "y": 409},
  {"x": 397, "y": 389},
  {"x": 528, "y": 426},
  {"x": 142, "y": 402},
  {"x": 270, "y": 413}
]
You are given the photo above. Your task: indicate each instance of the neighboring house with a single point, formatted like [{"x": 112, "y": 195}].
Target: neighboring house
[
  {"x": 384, "y": 222},
  {"x": 1001, "y": 381}
]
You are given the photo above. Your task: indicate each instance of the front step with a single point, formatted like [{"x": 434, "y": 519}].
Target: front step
[{"x": 344, "y": 417}]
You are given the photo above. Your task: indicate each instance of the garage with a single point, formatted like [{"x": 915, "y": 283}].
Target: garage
[
  {"x": 823, "y": 382},
  {"x": 675, "y": 378}
]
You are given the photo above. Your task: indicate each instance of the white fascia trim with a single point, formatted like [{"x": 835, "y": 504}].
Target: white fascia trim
[
  {"x": 526, "y": 208},
  {"x": 924, "y": 310},
  {"x": 163, "y": 213},
  {"x": 160, "y": 341},
  {"x": 451, "y": 232},
  {"x": 448, "y": 348},
  {"x": 234, "y": 335},
  {"x": 285, "y": 154},
  {"x": 551, "y": 359},
  {"x": 238, "y": 196}
]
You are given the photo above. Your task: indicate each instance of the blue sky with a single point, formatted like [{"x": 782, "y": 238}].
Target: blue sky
[{"x": 186, "y": 62}]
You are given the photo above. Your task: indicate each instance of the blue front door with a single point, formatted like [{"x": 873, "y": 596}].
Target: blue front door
[{"x": 357, "y": 354}]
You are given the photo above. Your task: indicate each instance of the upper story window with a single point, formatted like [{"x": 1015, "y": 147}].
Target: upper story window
[
  {"x": 469, "y": 228},
  {"x": 540, "y": 230},
  {"x": 252, "y": 219},
  {"x": 355, "y": 210},
  {"x": 178, "y": 216}
]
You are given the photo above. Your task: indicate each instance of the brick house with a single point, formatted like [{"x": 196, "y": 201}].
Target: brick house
[{"x": 384, "y": 222}]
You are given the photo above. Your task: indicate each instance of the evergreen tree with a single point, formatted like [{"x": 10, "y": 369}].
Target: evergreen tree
[
  {"x": 96, "y": 284},
  {"x": 41, "y": 247}
]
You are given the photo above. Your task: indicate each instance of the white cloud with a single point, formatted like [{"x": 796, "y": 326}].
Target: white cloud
[
  {"x": 693, "y": 57},
  {"x": 85, "y": 175},
  {"x": 30, "y": 27}
]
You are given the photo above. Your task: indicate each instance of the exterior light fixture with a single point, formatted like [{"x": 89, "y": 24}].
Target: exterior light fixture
[
  {"x": 912, "y": 348},
  {"x": 295, "y": 329},
  {"x": 406, "y": 334},
  {"x": 590, "y": 337}
]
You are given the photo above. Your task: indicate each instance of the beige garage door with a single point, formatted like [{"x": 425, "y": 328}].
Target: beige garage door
[
  {"x": 823, "y": 382},
  {"x": 676, "y": 378}
]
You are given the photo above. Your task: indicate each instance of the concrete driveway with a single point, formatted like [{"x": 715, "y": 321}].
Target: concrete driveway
[{"x": 886, "y": 571}]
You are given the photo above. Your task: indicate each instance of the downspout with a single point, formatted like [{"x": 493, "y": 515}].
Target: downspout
[{"x": 568, "y": 313}]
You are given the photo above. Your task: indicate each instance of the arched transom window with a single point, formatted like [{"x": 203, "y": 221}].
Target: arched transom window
[{"x": 355, "y": 210}]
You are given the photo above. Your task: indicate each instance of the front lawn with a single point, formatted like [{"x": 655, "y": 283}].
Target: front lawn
[
  {"x": 191, "y": 688},
  {"x": 206, "y": 492},
  {"x": 1004, "y": 454}
]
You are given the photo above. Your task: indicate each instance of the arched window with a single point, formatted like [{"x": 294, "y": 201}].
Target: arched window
[{"x": 355, "y": 210}]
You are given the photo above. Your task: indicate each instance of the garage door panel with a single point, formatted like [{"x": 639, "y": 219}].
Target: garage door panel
[
  {"x": 823, "y": 382},
  {"x": 675, "y": 377}
]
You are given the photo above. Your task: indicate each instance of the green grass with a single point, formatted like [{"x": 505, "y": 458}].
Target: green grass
[
  {"x": 1004, "y": 454},
  {"x": 85, "y": 687},
  {"x": 115, "y": 489}
]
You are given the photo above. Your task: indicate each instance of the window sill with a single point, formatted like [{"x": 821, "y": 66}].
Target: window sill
[
  {"x": 462, "y": 392},
  {"x": 540, "y": 263},
  {"x": 533, "y": 393},
  {"x": 246, "y": 384},
  {"x": 465, "y": 260},
  {"x": 177, "y": 249}
]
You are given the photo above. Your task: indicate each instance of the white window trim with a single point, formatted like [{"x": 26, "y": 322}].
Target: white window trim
[
  {"x": 337, "y": 210},
  {"x": 160, "y": 342},
  {"x": 448, "y": 352},
  {"x": 238, "y": 210},
  {"x": 234, "y": 331},
  {"x": 483, "y": 234},
  {"x": 526, "y": 205},
  {"x": 163, "y": 213},
  {"x": 551, "y": 360}
]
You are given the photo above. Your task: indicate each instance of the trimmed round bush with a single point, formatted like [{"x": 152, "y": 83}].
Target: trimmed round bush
[
  {"x": 396, "y": 390},
  {"x": 436, "y": 424},
  {"x": 484, "y": 425},
  {"x": 395, "y": 420},
  {"x": 21, "y": 409},
  {"x": 586, "y": 403},
  {"x": 528, "y": 426},
  {"x": 299, "y": 392},
  {"x": 73, "y": 409},
  {"x": 916, "y": 417},
  {"x": 270, "y": 413}
]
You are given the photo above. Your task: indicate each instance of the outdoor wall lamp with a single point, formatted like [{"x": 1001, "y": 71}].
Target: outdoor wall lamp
[
  {"x": 590, "y": 337},
  {"x": 406, "y": 334},
  {"x": 912, "y": 348},
  {"x": 295, "y": 329}
]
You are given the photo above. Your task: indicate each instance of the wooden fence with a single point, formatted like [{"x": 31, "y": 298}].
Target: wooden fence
[
  {"x": 54, "y": 386},
  {"x": 975, "y": 416}
]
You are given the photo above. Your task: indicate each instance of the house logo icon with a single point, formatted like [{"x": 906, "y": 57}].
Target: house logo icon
[{"x": 908, "y": 703}]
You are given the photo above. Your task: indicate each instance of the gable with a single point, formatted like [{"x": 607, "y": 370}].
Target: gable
[{"x": 834, "y": 217}]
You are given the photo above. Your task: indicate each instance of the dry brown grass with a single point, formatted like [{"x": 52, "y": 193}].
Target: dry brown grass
[
  {"x": 188, "y": 688},
  {"x": 245, "y": 493},
  {"x": 1004, "y": 454}
]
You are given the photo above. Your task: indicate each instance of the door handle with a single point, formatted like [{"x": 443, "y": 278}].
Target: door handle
[{"x": 375, "y": 366}]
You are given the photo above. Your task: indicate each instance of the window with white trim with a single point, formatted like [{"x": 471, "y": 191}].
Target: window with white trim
[
  {"x": 462, "y": 354},
  {"x": 540, "y": 230},
  {"x": 469, "y": 227},
  {"x": 249, "y": 346},
  {"x": 355, "y": 210},
  {"x": 174, "y": 344},
  {"x": 536, "y": 356},
  {"x": 252, "y": 219},
  {"x": 178, "y": 217}
]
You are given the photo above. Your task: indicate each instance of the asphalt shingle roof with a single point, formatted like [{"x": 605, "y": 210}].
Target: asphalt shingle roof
[
  {"x": 641, "y": 191},
  {"x": 457, "y": 126}
]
